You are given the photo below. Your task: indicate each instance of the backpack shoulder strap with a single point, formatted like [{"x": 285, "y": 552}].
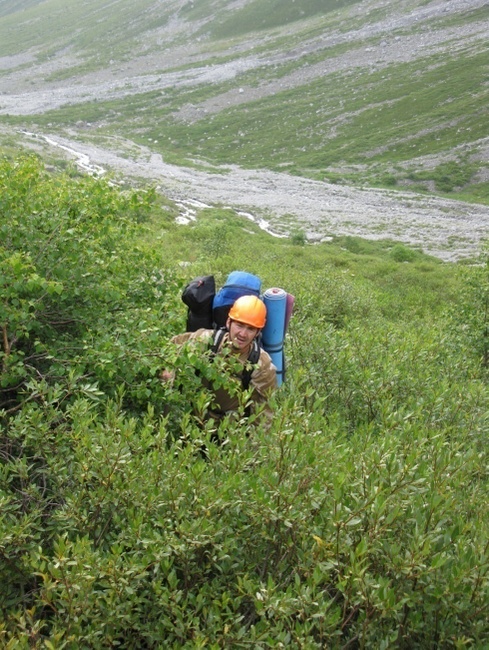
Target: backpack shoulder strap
[
  {"x": 253, "y": 358},
  {"x": 254, "y": 354},
  {"x": 217, "y": 339}
]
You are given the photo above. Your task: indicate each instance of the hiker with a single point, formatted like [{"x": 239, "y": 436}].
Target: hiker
[{"x": 245, "y": 321}]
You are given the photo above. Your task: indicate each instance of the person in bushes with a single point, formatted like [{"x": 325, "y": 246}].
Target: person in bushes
[{"x": 238, "y": 339}]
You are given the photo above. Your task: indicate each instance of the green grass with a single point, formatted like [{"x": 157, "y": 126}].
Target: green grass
[
  {"x": 394, "y": 115},
  {"x": 391, "y": 112},
  {"x": 256, "y": 16},
  {"x": 12, "y": 6},
  {"x": 89, "y": 29},
  {"x": 480, "y": 14},
  {"x": 397, "y": 116}
]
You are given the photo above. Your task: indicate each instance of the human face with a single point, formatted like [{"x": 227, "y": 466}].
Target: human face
[{"x": 240, "y": 334}]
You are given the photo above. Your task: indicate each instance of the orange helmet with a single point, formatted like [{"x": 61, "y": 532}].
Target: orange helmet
[{"x": 249, "y": 310}]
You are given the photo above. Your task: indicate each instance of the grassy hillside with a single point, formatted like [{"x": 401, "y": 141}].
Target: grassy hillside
[
  {"x": 52, "y": 25},
  {"x": 255, "y": 16},
  {"x": 358, "y": 519}
]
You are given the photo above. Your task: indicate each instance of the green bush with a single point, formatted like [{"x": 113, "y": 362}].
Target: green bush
[
  {"x": 401, "y": 253},
  {"x": 76, "y": 286},
  {"x": 298, "y": 238},
  {"x": 359, "y": 519},
  {"x": 470, "y": 316}
]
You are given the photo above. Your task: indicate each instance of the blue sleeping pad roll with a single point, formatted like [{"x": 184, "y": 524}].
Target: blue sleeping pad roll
[{"x": 273, "y": 333}]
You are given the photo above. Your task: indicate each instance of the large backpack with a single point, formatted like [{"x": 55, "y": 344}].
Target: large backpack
[
  {"x": 209, "y": 309},
  {"x": 198, "y": 295},
  {"x": 238, "y": 283}
]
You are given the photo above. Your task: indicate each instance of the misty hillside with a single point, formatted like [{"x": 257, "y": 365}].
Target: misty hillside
[{"x": 352, "y": 93}]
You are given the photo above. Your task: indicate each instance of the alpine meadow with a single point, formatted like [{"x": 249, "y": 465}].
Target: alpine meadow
[{"x": 338, "y": 149}]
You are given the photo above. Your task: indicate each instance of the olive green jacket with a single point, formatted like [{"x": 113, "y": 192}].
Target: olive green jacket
[{"x": 263, "y": 378}]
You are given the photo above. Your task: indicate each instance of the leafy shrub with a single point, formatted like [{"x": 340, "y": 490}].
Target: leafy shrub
[
  {"x": 401, "y": 253},
  {"x": 447, "y": 176},
  {"x": 74, "y": 281},
  {"x": 471, "y": 314},
  {"x": 451, "y": 175},
  {"x": 286, "y": 536},
  {"x": 298, "y": 238},
  {"x": 358, "y": 519},
  {"x": 389, "y": 180}
]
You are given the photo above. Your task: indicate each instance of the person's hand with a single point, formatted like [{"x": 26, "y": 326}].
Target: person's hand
[{"x": 167, "y": 376}]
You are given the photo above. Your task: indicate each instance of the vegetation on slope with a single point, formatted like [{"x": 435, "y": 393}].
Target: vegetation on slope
[
  {"x": 50, "y": 26},
  {"x": 255, "y": 16},
  {"x": 358, "y": 520}
]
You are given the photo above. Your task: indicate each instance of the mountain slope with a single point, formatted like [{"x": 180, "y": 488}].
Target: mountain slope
[{"x": 383, "y": 94}]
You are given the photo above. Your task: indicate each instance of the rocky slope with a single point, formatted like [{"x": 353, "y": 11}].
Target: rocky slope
[
  {"x": 402, "y": 31},
  {"x": 450, "y": 230}
]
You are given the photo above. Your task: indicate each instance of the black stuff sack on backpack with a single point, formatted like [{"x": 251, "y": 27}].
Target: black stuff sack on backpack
[
  {"x": 198, "y": 295},
  {"x": 238, "y": 283}
]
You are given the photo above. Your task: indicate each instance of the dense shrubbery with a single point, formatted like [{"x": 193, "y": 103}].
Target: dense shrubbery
[
  {"x": 80, "y": 299},
  {"x": 358, "y": 520}
]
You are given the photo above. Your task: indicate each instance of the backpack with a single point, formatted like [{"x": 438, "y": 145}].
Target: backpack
[
  {"x": 238, "y": 283},
  {"x": 209, "y": 309},
  {"x": 198, "y": 295}
]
